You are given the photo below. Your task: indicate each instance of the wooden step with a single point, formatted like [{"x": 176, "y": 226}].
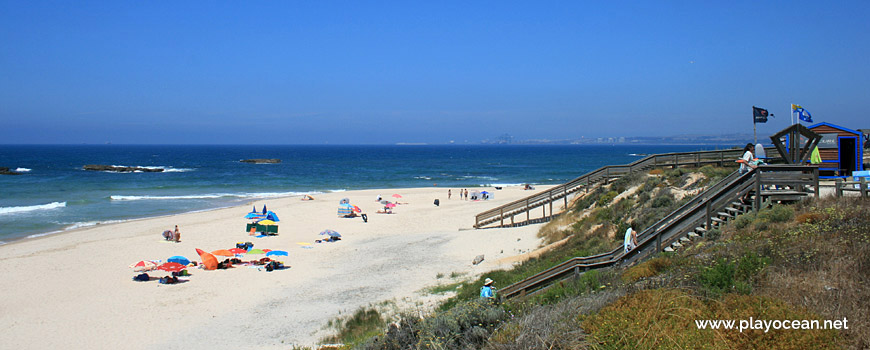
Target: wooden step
[
  {"x": 717, "y": 220},
  {"x": 733, "y": 210},
  {"x": 700, "y": 229},
  {"x": 685, "y": 240},
  {"x": 722, "y": 213},
  {"x": 676, "y": 244},
  {"x": 668, "y": 249},
  {"x": 693, "y": 235}
]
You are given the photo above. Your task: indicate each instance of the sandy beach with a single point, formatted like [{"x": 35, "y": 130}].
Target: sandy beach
[{"x": 73, "y": 290}]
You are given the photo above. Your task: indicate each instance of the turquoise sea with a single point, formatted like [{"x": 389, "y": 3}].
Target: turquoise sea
[{"x": 55, "y": 194}]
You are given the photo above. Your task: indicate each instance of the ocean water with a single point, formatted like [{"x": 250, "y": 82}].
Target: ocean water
[{"x": 55, "y": 194}]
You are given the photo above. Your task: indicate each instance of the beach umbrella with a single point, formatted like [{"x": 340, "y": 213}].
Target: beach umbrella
[
  {"x": 253, "y": 216},
  {"x": 385, "y": 202},
  {"x": 171, "y": 267},
  {"x": 223, "y": 252},
  {"x": 238, "y": 251},
  {"x": 179, "y": 259},
  {"x": 390, "y": 205},
  {"x": 357, "y": 209},
  {"x": 277, "y": 253},
  {"x": 330, "y": 233},
  {"x": 264, "y": 209},
  {"x": 254, "y": 210},
  {"x": 208, "y": 260},
  {"x": 266, "y": 222},
  {"x": 256, "y": 251},
  {"x": 143, "y": 265},
  {"x": 397, "y": 195},
  {"x": 267, "y": 250},
  {"x": 272, "y": 216}
]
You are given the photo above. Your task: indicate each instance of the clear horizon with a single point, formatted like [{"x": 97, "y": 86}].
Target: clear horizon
[{"x": 387, "y": 73}]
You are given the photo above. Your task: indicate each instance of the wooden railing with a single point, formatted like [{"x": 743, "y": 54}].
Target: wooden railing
[
  {"x": 697, "y": 215},
  {"x": 598, "y": 176}
]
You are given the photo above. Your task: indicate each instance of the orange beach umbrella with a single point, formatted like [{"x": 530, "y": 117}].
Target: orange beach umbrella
[{"x": 208, "y": 260}]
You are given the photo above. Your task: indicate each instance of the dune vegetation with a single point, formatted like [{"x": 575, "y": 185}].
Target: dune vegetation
[{"x": 806, "y": 261}]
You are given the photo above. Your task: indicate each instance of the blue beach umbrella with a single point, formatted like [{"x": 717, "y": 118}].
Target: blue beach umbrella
[
  {"x": 272, "y": 216},
  {"x": 264, "y": 209},
  {"x": 179, "y": 259},
  {"x": 277, "y": 253},
  {"x": 253, "y": 216}
]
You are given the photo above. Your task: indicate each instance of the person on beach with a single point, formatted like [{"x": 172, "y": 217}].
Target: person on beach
[
  {"x": 448, "y": 193},
  {"x": 630, "y": 239},
  {"x": 379, "y": 198},
  {"x": 176, "y": 236},
  {"x": 487, "y": 291}
]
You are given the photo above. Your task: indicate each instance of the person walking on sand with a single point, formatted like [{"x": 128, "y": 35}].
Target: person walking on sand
[
  {"x": 448, "y": 193},
  {"x": 487, "y": 291},
  {"x": 176, "y": 236}
]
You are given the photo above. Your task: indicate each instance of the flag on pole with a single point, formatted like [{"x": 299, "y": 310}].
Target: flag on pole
[
  {"x": 801, "y": 113},
  {"x": 759, "y": 115}
]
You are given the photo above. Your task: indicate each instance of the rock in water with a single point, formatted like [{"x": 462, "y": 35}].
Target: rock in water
[
  {"x": 6, "y": 171},
  {"x": 261, "y": 161}
]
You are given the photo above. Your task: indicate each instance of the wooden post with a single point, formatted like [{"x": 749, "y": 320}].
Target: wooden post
[
  {"x": 698, "y": 160},
  {"x": 863, "y": 187},
  {"x": 756, "y": 204},
  {"x": 576, "y": 272},
  {"x": 501, "y": 216},
  {"x": 607, "y": 178},
  {"x": 551, "y": 205},
  {"x": 565, "y": 193},
  {"x": 527, "y": 209},
  {"x": 838, "y": 188},
  {"x": 816, "y": 180},
  {"x": 658, "y": 241},
  {"x": 655, "y": 161},
  {"x": 709, "y": 208}
]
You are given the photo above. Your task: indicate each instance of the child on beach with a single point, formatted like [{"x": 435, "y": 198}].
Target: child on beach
[{"x": 176, "y": 236}]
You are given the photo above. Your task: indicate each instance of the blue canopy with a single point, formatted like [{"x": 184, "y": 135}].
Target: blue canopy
[
  {"x": 270, "y": 215},
  {"x": 179, "y": 259},
  {"x": 255, "y": 216}
]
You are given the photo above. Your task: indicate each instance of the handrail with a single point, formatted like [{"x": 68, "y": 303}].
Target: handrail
[
  {"x": 605, "y": 173},
  {"x": 665, "y": 231}
]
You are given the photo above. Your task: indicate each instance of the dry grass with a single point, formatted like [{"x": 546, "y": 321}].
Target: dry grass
[{"x": 665, "y": 318}]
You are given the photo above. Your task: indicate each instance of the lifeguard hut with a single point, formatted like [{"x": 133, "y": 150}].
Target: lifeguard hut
[{"x": 840, "y": 148}]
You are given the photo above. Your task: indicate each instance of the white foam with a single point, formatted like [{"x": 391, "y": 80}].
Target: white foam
[
  {"x": 22, "y": 170},
  {"x": 14, "y": 210}
]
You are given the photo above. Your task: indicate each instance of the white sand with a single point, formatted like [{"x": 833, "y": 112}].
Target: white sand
[{"x": 74, "y": 290}]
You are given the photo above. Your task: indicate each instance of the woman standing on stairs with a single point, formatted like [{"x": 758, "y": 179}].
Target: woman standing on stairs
[{"x": 630, "y": 239}]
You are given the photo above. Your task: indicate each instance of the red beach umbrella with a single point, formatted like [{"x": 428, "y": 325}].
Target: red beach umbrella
[
  {"x": 143, "y": 265},
  {"x": 397, "y": 195},
  {"x": 238, "y": 251},
  {"x": 171, "y": 267}
]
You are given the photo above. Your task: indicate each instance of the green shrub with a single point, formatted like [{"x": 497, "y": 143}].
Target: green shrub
[
  {"x": 465, "y": 326},
  {"x": 744, "y": 220},
  {"x": 663, "y": 201},
  {"x": 606, "y": 198},
  {"x": 777, "y": 213},
  {"x": 718, "y": 278}
]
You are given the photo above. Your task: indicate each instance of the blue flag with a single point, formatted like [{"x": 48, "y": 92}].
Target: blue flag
[{"x": 802, "y": 113}]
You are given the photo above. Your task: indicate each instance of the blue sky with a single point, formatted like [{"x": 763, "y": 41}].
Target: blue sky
[{"x": 292, "y": 72}]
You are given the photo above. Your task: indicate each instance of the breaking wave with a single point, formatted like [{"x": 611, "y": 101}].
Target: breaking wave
[{"x": 14, "y": 210}]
